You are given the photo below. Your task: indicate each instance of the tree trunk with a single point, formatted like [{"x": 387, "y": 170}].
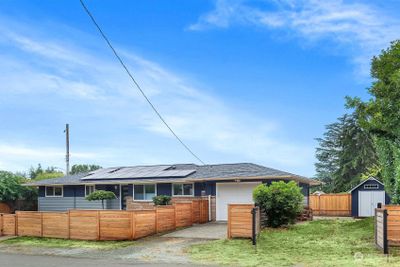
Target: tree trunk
[{"x": 102, "y": 203}]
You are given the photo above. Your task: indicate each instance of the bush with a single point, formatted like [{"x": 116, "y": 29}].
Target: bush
[
  {"x": 161, "y": 200},
  {"x": 281, "y": 201},
  {"x": 101, "y": 195},
  {"x": 14, "y": 193}
]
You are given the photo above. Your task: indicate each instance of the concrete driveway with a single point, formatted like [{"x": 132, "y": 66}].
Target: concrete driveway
[
  {"x": 168, "y": 249},
  {"x": 213, "y": 230}
]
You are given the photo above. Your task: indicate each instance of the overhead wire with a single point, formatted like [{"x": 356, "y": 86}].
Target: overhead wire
[{"x": 137, "y": 84}]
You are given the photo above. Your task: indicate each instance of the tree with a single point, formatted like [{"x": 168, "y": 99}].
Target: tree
[
  {"x": 345, "y": 153},
  {"x": 281, "y": 201},
  {"x": 39, "y": 174},
  {"x": 11, "y": 189},
  {"x": 101, "y": 195},
  {"x": 48, "y": 175},
  {"x": 381, "y": 115},
  {"x": 35, "y": 172},
  {"x": 82, "y": 168}
]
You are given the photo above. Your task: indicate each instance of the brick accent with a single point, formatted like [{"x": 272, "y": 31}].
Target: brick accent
[{"x": 140, "y": 205}]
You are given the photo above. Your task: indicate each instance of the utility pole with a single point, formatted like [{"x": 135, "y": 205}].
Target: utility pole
[{"x": 67, "y": 148}]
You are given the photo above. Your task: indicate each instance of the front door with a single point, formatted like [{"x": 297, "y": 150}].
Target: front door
[
  {"x": 124, "y": 195},
  {"x": 368, "y": 201}
]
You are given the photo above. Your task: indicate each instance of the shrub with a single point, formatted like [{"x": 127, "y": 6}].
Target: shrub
[
  {"x": 281, "y": 201},
  {"x": 161, "y": 200},
  {"x": 12, "y": 191},
  {"x": 101, "y": 195}
]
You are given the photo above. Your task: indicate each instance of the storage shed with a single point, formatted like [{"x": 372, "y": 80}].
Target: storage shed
[{"x": 366, "y": 196}]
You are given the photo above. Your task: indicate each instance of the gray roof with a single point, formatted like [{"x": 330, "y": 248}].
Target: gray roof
[
  {"x": 155, "y": 171},
  {"x": 177, "y": 173}
]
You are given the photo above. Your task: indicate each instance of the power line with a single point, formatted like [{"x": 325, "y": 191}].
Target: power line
[{"x": 137, "y": 85}]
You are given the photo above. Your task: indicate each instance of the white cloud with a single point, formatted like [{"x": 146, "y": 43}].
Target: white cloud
[
  {"x": 18, "y": 157},
  {"x": 100, "y": 87},
  {"x": 362, "y": 27}
]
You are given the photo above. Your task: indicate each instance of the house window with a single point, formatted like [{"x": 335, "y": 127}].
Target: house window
[
  {"x": 182, "y": 189},
  {"x": 54, "y": 191},
  {"x": 371, "y": 186},
  {"x": 89, "y": 189},
  {"x": 144, "y": 191}
]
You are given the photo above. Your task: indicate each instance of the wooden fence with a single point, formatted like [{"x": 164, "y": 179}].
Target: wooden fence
[
  {"x": 381, "y": 233},
  {"x": 240, "y": 221},
  {"x": 4, "y": 208},
  {"x": 331, "y": 204},
  {"x": 393, "y": 224},
  {"x": 103, "y": 224}
]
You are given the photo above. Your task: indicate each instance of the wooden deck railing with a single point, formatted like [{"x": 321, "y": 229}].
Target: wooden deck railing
[{"x": 104, "y": 224}]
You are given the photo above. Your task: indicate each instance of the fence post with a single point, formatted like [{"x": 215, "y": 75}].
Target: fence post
[
  {"x": 253, "y": 230},
  {"x": 156, "y": 219},
  {"x": 385, "y": 237},
  {"x": 133, "y": 224},
  {"x": 69, "y": 223},
  {"x": 41, "y": 224},
  {"x": 1, "y": 224},
  {"x": 16, "y": 223},
  {"x": 229, "y": 221},
  {"x": 98, "y": 225}
]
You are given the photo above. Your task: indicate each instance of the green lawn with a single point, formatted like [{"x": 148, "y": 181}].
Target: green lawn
[
  {"x": 64, "y": 243},
  {"x": 316, "y": 243}
]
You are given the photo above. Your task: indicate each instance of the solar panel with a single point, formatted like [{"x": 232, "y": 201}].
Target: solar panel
[{"x": 137, "y": 172}]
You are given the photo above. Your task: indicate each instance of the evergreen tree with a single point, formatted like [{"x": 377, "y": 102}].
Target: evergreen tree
[
  {"x": 345, "y": 152},
  {"x": 381, "y": 115}
]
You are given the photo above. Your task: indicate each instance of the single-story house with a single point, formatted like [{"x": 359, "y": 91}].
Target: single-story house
[
  {"x": 136, "y": 186},
  {"x": 366, "y": 196}
]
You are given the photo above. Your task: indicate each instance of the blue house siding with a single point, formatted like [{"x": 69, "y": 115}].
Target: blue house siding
[
  {"x": 354, "y": 195},
  {"x": 74, "y": 195},
  {"x": 74, "y": 198}
]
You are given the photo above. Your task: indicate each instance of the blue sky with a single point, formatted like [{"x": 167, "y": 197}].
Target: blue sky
[{"x": 239, "y": 81}]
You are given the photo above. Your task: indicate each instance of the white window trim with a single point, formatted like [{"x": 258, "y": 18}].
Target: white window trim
[
  {"x": 90, "y": 185},
  {"x": 371, "y": 186},
  {"x": 144, "y": 200},
  {"x": 173, "y": 193},
  {"x": 62, "y": 191}
]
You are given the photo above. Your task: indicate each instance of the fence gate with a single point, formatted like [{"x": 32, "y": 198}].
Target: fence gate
[{"x": 381, "y": 239}]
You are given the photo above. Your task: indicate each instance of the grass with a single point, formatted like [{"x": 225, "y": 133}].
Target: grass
[
  {"x": 65, "y": 243},
  {"x": 316, "y": 243}
]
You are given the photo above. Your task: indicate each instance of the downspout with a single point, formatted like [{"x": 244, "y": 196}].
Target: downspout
[
  {"x": 74, "y": 197},
  {"x": 120, "y": 198},
  {"x": 209, "y": 208}
]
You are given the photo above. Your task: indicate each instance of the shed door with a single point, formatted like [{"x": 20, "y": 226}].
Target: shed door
[
  {"x": 368, "y": 201},
  {"x": 232, "y": 193}
]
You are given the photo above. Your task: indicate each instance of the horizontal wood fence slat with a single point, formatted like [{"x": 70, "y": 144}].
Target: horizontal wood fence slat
[
  {"x": 104, "y": 224},
  {"x": 240, "y": 221},
  {"x": 331, "y": 204},
  {"x": 393, "y": 224}
]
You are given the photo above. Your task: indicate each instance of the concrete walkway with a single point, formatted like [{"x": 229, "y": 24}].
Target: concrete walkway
[{"x": 210, "y": 230}]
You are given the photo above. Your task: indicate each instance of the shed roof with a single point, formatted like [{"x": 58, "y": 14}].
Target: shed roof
[{"x": 363, "y": 182}]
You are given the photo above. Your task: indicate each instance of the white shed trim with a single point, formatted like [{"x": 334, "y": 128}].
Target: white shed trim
[{"x": 363, "y": 182}]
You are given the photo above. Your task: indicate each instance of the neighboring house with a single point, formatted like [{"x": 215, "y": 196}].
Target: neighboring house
[
  {"x": 366, "y": 196},
  {"x": 136, "y": 186}
]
